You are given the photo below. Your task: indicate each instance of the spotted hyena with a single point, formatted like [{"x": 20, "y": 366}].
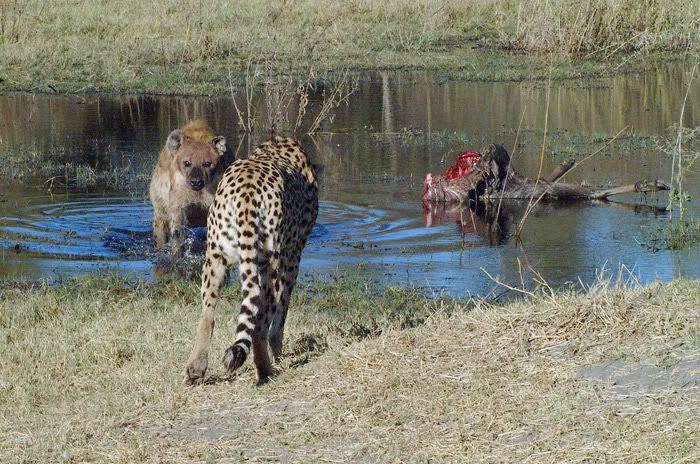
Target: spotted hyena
[{"x": 184, "y": 181}]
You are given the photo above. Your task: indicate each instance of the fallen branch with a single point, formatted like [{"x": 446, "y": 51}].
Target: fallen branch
[
  {"x": 493, "y": 178},
  {"x": 560, "y": 171}
]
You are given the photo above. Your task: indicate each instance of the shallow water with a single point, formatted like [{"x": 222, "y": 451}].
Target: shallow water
[{"x": 396, "y": 129}]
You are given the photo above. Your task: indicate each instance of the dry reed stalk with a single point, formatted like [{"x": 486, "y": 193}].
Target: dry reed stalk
[
  {"x": 678, "y": 151},
  {"x": 530, "y": 205}
]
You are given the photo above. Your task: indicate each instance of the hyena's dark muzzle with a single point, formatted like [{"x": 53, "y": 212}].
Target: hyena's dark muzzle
[{"x": 197, "y": 179}]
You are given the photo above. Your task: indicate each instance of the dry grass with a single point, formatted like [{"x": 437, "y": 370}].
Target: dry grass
[
  {"x": 188, "y": 47},
  {"x": 605, "y": 28},
  {"x": 94, "y": 375}
]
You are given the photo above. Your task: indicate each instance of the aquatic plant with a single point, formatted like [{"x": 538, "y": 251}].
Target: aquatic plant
[
  {"x": 681, "y": 230},
  {"x": 292, "y": 102},
  {"x": 60, "y": 173}
]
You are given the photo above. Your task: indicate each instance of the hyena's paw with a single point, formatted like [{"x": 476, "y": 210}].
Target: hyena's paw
[
  {"x": 234, "y": 357},
  {"x": 196, "y": 369}
]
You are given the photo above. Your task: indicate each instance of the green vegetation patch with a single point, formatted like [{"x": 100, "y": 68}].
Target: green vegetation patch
[
  {"x": 195, "y": 48},
  {"x": 60, "y": 173}
]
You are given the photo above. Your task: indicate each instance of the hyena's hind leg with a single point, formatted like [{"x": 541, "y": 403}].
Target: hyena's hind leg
[{"x": 213, "y": 275}]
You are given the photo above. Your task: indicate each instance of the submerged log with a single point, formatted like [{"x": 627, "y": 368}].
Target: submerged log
[{"x": 494, "y": 178}]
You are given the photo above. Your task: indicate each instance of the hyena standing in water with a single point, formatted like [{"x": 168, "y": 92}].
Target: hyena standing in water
[
  {"x": 261, "y": 218},
  {"x": 184, "y": 181}
]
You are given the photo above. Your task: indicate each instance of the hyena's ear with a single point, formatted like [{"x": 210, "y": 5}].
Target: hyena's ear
[
  {"x": 174, "y": 141},
  {"x": 219, "y": 143}
]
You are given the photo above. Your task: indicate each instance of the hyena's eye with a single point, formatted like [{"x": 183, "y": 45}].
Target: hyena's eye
[
  {"x": 186, "y": 163},
  {"x": 206, "y": 164}
]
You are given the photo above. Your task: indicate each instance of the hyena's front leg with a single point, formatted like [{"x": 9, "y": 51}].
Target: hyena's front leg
[
  {"x": 213, "y": 274},
  {"x": 177, "y": 231},
  {"x": 161, "y": 228}
]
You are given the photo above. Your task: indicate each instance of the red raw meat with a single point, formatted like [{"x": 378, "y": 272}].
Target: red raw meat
[{"x": 463, "y": 164}]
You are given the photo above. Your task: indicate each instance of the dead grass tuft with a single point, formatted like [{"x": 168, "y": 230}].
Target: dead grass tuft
[{"x": 92, "y": 373}]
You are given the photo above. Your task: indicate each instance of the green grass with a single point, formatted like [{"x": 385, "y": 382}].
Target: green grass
[
  {"x": 19, "y": 238},
  {"x": 92, "y": 372},
  {"x": 190, "y": 47},
  {"x": 59, "y": 173},
  {"x": 561, "y": 143}
]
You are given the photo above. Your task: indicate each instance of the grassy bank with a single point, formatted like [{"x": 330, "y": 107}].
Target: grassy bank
[
  {"x": 61, "y": 174},
  {"x": 91, "y": 371},
  {"x": 190, "y": 47}
]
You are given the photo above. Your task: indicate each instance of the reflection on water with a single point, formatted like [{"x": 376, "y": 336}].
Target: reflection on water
[{"x": 397, "y": 129}]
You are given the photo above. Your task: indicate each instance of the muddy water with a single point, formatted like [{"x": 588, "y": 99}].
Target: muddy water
[{"x": 375, "y": 154}]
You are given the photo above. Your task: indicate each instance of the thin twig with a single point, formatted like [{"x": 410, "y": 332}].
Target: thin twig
[
  {"x": 498, "y": 282},
  {"x": 235, "y": 104}
]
